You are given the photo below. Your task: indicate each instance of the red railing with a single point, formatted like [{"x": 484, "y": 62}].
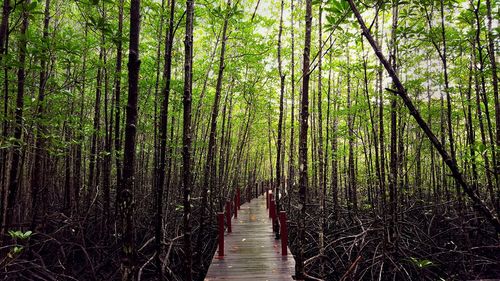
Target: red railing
[
  {"x": 225, "y": 218},
  {"x": 220, "y": 221},
  {"x": 283, "y": 234}
]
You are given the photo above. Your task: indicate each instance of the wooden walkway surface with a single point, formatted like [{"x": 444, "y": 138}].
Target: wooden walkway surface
[{"x": 252, "y": 253}]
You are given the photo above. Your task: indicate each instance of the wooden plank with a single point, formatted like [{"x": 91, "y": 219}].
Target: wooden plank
[{"x": 252, "y": 252}]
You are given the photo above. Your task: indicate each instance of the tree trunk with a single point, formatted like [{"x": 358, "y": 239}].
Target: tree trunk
[
  {"x": 381, "y": 127},
  {"x": 280, "y": 124},
  {"x": 393, "y": 178},
  {"x": 39, "y": 135},
  {"x": 126, "y": 199},
  {"x": 482, "y": 87},
  {"x": 335, "y": 159},
  {"x": 107, "y": 158},
  {"x": 160, "y": 172},
  {"x": 321, "y": 158},
  {"x": 118, "y": 107},
  {"x": 470, "y": 129},
  {"x": 209, "y": 168},
  {"x": 291, "y": 158},
  {"x": 494, "y": 73},
  {"x": 187, "y": 175},
  {"x": 352, "y": 185},
  {"x": 372, "y": 118},
  {"x": 304, "y": 116},
  {"x": 16, "y": 166},
  {"x": 79, "y": 147},
  {"x": 4, "y": 26},
  {"x": 93, "y": 179}
]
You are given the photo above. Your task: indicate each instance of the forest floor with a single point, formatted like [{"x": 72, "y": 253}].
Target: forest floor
[{"x": 431, "y": 242}]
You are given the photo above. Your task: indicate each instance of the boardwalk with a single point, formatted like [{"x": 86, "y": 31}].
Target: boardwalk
[{"x": 252, "y": 253}]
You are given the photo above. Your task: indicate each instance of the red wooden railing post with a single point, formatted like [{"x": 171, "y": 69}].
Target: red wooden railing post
[
  {"x": 236, "y": 206},
  {"x": 283, "y": 234},
  {"x": 228, "y": 216},
  {"x": 220, "y": 220}
]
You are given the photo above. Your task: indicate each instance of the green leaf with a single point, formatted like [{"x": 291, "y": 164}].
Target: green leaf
[
  {"x": 32, "y": 6},
  {"x": 20, "y": 235},
  {"x": 338, "y": 10},
  {"x": 27, "y": 234},
  {"x": 15, "y": 234},
  {"x": 481, "y": 148},
  {"x": 421, "y": 263},
  {"x": 17, "y": 249}
]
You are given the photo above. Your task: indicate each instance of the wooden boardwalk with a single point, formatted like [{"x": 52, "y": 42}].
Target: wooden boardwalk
[{"x": 252, "y": 253}]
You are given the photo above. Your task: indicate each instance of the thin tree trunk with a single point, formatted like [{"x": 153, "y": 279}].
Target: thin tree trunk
[
  {"x": 68, "y": 137},
  {"x": 470, "y": 129},
  {"x": 160, "y": 172},
  {"x": 304, "y": 112},
  {"x": 108, "y": 132},
  {"x": 381, "y": 127},
  {"x": 269, "y": 141},
  {"x": 187, "y": 176},
  {"x": 291, "y": 159},
  {"x": 393, "y": 178},
  {"x": 280, "y": 123},
  {"x": 372, "y": 117},
  {"x": 482, "y": 87},
  {"x": 126, "y": 198},
  {"x": 78, "y": 154},
  {"x": 494, "y": 74},
  {"x": 16, "y": 166},
  {"x": 335, "y": 161},
  {"x": 118, "y": 107},
  {"x": 352, "y": 188},
  {"x": 4, "y": 27},
  {"x": 444, "y": 58},
  {"x": 479, "y": 111},
  {"x": 36, "y": 183},
  {"x": 321, "y": 159},
  {"x": 93, "y": 179},
  {"x": 209, "y": 168}
]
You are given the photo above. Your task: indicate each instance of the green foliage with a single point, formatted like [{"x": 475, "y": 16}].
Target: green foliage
[
  {"x": 18, "y": 234},
  {"x": 338, "y": 11},
  {"x": 421, "y": 263}
]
